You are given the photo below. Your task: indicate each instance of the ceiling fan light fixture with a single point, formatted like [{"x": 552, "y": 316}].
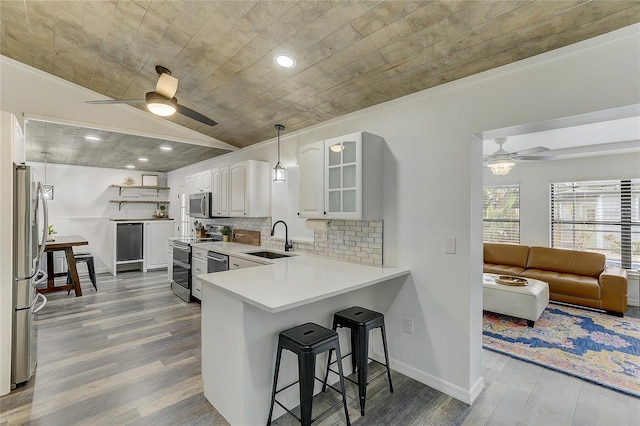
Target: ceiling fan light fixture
[
  {"x": 159, "y": 105},
  {"x": 501, "y": 166}
]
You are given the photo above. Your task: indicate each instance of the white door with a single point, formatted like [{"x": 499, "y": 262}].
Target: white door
[
  {"x": 224, "y": 191},
  {"x": 206, "y": 181},
  {"x": 311, "y": 180},
  {"x": 156, "y": 235},
  {"x": 238, "y": 189},
  {"x": 343, "y": 175},
  {"x": 215, "y": 192}
]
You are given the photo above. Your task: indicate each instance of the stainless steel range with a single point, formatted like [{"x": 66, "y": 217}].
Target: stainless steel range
[{"x": 181, "y": 283}]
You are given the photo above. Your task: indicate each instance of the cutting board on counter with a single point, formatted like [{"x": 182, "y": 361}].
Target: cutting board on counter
[{"x": 246, "y": 237}]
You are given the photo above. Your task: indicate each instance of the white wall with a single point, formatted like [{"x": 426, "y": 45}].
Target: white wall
[
  {"x": 433, "y": 182},
  {"x": 81, "y": 204},
  {"x": 534, "y": 179}
]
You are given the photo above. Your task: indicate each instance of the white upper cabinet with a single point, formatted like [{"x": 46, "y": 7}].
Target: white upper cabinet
[
  {"x": 311, "y": 180},
  {"x": 224, "y": 191},
  {"x": 249, "y": 189},
  {"x": 11, "y": 134},
  {"x": 219, "y": 192},
  {"x": 341, "y": 178},
  {"x": 206, "y": 181},
  {"x": 198, "y": 182}
]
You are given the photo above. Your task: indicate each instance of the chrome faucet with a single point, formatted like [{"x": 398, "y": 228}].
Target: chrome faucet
[{"x": 288, "y": 245}]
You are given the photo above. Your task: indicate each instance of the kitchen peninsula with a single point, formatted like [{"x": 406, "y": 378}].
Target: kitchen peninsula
[{"x": 244, "y": 310}]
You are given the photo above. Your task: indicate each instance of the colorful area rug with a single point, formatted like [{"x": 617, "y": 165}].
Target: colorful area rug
[{"x": 596, "y": 347}]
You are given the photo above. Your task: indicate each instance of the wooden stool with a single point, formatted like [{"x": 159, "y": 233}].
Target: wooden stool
[
  {"x": 360, "y": 321},
  {"x": 307, "y": 341}
]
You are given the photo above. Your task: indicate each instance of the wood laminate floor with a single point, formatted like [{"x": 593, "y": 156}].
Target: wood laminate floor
[{"x": 130, "y": 354}]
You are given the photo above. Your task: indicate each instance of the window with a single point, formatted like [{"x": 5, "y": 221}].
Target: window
[
  {"x": 501, "y": 214},
  {"x": 598, "y": 216}
]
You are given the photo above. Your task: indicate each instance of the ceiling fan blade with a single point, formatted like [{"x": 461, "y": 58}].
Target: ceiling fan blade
[
  {"x": 195, "y": 115},
  {"x": 167, "y": 86},
  {"x": 535, "y": 157},
  {"x": 533, "y": 150},
  {"x": 117, "y": 101}
]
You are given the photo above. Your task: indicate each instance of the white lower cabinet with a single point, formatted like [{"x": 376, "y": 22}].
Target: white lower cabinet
[
  {"x": 156, "y": 234},
  {"x": 198, "y": 267},
  {"x": 239, "y": 263}
]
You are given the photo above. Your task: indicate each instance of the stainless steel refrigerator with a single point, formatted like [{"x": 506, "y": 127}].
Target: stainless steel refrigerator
[{"x": 29, "y": 237}]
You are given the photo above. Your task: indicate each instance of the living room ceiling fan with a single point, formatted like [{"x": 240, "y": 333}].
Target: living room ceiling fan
[
  {"x": 162, "y": 101},
  {"x": 501, "y": 162}
]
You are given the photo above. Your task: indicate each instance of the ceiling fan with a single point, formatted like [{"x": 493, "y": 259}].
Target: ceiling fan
[
  {"x": 501, "y": 162},
  {"x": 162, "y": 101}
]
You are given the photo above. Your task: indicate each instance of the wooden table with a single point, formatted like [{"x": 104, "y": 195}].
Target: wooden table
[{"x": 65, "y": 244}]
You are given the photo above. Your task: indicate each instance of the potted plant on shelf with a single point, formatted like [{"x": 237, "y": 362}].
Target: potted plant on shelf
[
  {"x": 50, "y": 233},
  {"x": 225, "y": 231}
]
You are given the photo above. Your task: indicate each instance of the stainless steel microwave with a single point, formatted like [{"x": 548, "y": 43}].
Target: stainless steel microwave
[{"x": 200, "y": 204}]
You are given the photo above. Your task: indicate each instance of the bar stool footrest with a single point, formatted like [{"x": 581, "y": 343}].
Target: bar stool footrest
[{"x": 319, "y": 415}]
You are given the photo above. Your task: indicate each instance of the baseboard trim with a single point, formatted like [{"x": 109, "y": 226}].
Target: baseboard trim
[{"x": 466, "y": 396}]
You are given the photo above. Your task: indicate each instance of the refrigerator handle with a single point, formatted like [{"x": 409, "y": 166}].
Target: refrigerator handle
[
  {"x": 41, "y": 278},
  {"x": 45, "y": 230},
  {"x": 44, "y": 303}
]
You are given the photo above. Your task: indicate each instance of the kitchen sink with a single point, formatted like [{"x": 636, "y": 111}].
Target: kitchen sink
[{"x": 268, "y": 254}]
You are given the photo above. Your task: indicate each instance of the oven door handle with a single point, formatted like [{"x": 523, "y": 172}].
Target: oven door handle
[
  {"x": 184, "y": 265},
  {"x": 185, "y": 249}
]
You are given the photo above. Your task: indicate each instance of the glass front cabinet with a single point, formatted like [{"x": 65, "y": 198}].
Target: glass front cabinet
[{"x": 341, "y": 178}]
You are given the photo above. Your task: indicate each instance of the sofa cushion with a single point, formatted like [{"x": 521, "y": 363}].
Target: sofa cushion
[
  {"x": 571, "y": 284},
  {"x": 506, "y": 254},
  {"x": 566, "y": 261},
  {"x": 490, "y": 268}
]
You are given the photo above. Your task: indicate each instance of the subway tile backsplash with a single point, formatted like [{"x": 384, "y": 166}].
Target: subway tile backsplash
[{"x": 353, "y": 241}]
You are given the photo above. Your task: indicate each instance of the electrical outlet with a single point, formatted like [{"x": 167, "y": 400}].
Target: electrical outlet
[{"x": 408, "y": 326}]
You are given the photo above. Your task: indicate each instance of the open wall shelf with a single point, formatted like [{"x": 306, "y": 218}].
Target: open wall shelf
[
  {"x": 156, "y": 188},
  {"x": 156, "y": 202}
]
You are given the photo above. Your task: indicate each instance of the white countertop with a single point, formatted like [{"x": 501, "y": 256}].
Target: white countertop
[{"x": 293, "y": 281}]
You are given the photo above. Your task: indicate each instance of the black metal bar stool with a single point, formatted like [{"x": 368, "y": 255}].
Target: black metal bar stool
[
  {"x": 360, "y": 321},
  {"x": 88, "y": 259},
  {"x": 307, "y": 341}
]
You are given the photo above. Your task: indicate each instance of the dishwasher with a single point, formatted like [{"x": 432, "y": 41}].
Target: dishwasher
[{"x": 217, "y": 262}]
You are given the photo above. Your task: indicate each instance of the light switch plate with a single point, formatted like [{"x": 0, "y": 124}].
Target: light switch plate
[{"x": 450, "y": 245}]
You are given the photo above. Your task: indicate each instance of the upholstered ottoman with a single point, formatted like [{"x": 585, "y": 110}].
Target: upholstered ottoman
[{"x": 526, "y": 302}]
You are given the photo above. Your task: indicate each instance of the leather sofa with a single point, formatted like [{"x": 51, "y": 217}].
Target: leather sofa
[{"x": 575, "y": 277}]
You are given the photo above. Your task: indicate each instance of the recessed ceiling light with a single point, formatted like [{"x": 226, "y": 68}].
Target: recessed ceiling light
[
  {"x": 130, "y": 166},
  {"x": 92, "y": 138},
  {"x": 143, "y": 159},
  {"x": 166, "y": 148},
  {"x": 285, "y": 61}
]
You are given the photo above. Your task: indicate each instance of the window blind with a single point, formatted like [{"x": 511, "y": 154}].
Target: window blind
[
  {"x": 598, "y": 216},
  {"x": 501, "y": 214}
]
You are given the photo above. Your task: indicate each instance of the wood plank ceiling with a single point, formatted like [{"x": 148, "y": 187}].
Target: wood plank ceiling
[{"x": 349, "y": 54}]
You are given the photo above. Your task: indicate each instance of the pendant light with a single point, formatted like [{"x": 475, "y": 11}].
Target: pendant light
[
  {"x": 278, "y": 170},
  {"x": 48, "y": 189}
]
